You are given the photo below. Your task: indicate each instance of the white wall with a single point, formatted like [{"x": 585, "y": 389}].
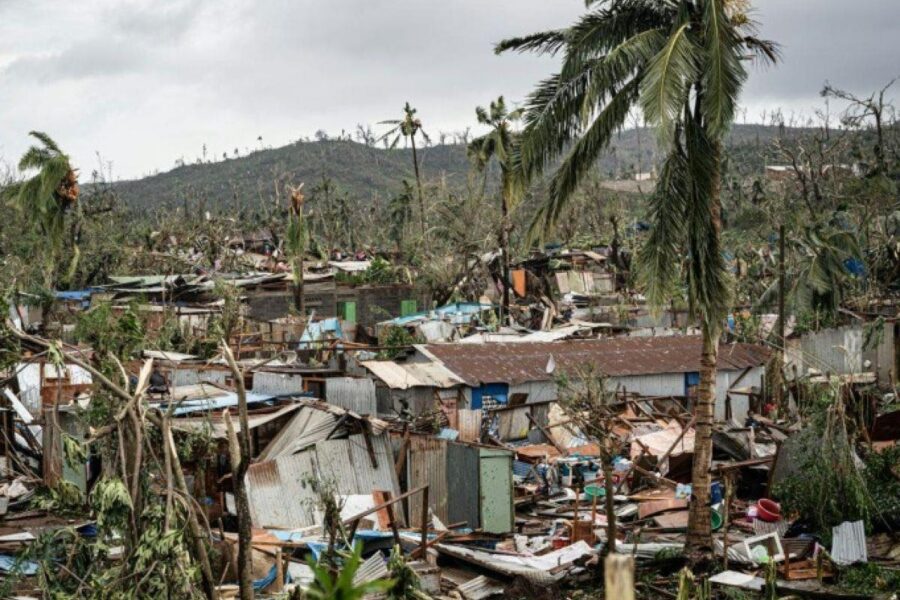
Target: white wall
[{"x": 837, "y": 351}]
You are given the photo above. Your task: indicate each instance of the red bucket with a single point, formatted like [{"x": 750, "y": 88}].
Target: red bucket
[{"x": 768, "y": 510}]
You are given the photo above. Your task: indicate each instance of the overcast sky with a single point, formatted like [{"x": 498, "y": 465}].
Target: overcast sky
[{"x": 145, "y": 82}]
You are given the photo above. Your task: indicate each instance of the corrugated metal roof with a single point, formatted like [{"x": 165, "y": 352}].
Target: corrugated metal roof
[
  {"x": 205, "y": 397},
  {"x": 279, "y": 494},
  {"x": 522, "y": 362},
  {"x": 848, "y": 543},
  {"x": 216, "y": 424},
  {"x": 402, "y": 376},
  {"x": 356, "y": 394},
  {"x": 305, "y": 429}
]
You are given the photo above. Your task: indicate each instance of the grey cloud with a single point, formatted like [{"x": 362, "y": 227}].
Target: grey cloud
[
  {"x": 95, "y": 58},
  {"x": 181, "y": 73}
]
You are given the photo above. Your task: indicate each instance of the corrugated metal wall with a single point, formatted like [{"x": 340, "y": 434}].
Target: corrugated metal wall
[
  {"x": 883, "y": 357},
  {"x": 194, "y": 375},
  {"x": 463, "y": 485},
  {"x": 277, "y": 384},
  {"x": 427, "y": 465},
  {"x": 837, "y": 351},
  {"x": 280, "y": 495},
  {"x": 351, "y": 393}
]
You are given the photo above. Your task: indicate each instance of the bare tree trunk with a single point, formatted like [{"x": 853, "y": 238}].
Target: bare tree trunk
[
  {"x": 418, "y": 185},
  {"x": 610, "y": 505},
  {"x": 504, "y": 250},
  {"x": 239, "y": 446},
  {"x": 209, "y": 583}
]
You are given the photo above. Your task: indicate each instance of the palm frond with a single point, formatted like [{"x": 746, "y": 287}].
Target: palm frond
[
  {"x": 544, "y": 42},
  {"x": 723, "y": 73},
  {"x": 658, "y": 259},
  {"x": 557, "y": 111},
  {"x": 709, "y": 283},
  {"x": 668, "y": 80},
  {"x": 763, "y": 51},
  {"x": 599, "y": 32},
  {"x": 46, "y": 140},
  {"x": 582, "y": 156}
]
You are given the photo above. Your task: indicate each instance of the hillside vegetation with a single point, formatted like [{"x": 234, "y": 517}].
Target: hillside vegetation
[{"x": 368, "y": 172}]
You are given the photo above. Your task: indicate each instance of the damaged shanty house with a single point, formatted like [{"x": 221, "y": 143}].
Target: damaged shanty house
[{"x": 476, "y": 376}]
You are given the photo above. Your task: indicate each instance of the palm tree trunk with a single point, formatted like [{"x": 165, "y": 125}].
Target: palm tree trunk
[
  {"x": 699, "y": 534},
  {"x": 699, "y": 525},
  {"x": 418, "y": 184},
  {"x": 299, "y": 299},
  {"x": 504, "y": 251}
]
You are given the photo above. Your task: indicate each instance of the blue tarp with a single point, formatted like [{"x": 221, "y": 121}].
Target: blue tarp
[
  {"x": 82, "y": 296},
  {"x": 457, "y": 313},
  {"x": 316, "y": 331},
  {"x": 9, "y": 564}
]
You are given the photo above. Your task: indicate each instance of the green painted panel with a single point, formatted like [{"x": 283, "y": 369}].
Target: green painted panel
[
  {"x": 348, "y": 311},
  {"x": 496, "y": 489},
  {"x": 407, "y": 307}
]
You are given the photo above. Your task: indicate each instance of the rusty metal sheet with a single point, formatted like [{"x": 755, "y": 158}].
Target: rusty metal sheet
[
  {"x": 402, "y": 376},
  {"x": 279, "y": 493},
  {"x": 427, "y": 465},
  {"x": 517, "y": 363},
  {"x": 469, "y": 421}
]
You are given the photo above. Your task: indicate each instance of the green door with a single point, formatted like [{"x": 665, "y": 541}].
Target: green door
[
  {"x": 348, "y": 311},
  {"x": 496, "y": 488}
]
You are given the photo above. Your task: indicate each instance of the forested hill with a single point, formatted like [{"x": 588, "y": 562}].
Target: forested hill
[{"x": 364, "y": 172}]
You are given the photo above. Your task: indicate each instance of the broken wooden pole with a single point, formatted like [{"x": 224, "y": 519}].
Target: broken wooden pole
[
  {"x": 424, "y": 543},
  {"x": 239, "y": 449}
]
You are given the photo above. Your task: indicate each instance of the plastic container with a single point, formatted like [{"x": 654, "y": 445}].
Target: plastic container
[
  {"x": 594, "y": 491},
  {"x": 768, "y": 510},
  {"x": 715, "y": 492}
]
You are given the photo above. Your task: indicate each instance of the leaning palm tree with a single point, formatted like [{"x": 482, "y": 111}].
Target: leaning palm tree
[
  {"x": 499, "y": 144},
  {"x": 46, "y": 197},
  {"x": 682, "y": 63},
  {"x": 408, "y": 128}
]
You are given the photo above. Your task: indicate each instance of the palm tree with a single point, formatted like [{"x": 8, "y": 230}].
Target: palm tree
[
  {"x": 47, "y": 196},
  {"x": 682, "y": 63},
  {"x": 499, "y": 143},
  {"x": 296, "y": 240},
  {"x": 408, "y": 128}
]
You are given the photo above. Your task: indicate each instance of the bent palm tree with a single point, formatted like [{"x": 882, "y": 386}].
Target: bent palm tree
[
  {"x": 47, "y": 196},
  {"x": 681, "y": 63},
  {"x": 499, "y": 143},
  {"x": 409, "y": 127}
]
